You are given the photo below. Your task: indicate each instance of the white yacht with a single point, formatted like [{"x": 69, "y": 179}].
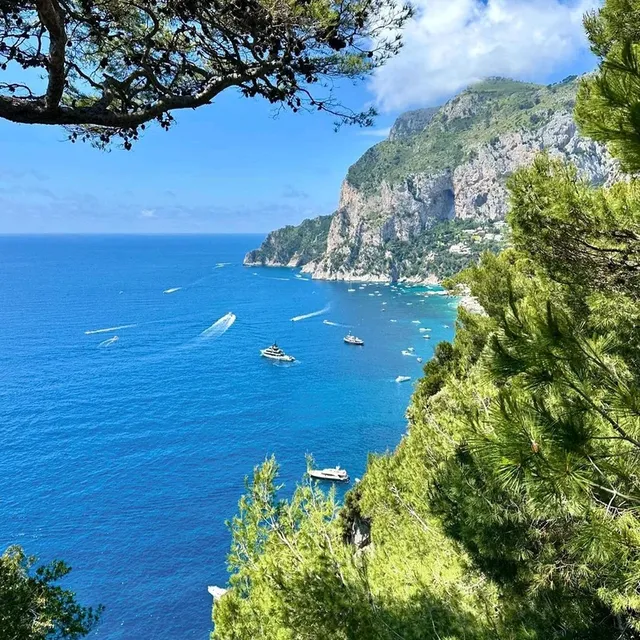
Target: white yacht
[
  {"x": 274, "y": 352},
  {"x": 334, "y": 473},
  {"x": 350, "y": 339},
  {"x": 403, "y": 378}
]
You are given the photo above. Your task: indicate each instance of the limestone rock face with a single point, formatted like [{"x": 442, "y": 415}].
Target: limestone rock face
[
  {"x": 365, "y": 224},
  {"x": 446, "y": 164},
  {"x": 479, "y": 187}
]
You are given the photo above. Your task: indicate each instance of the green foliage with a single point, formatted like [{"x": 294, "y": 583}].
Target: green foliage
[
  {"x": 429, "y": 252},
  {"x": 510, "y": 509},
  {"x": 607, "y": 107},
  {"x": 32, "y": 607},
  {"x": 107, "y": 68},
  {"x": 307, "y": 241},
  {"x": 477, "y": 116},
  {"x": 578, "y": 233},
  {"x": 294, "y": 577}
]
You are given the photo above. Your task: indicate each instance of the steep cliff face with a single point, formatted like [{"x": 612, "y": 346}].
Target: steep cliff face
[{"x": 421, "y": 204}]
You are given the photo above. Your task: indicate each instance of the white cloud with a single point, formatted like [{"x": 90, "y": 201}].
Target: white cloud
[
  {"x": 375, "y": 133},
  {"x": 452, "y": 43},
  {"x": 148, "y": 213}
]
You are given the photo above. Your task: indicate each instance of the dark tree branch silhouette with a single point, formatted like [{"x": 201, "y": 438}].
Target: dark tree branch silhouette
[{"x": 106, "y": 68}]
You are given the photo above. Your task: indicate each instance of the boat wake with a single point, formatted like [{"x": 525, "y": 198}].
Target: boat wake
[
  {"x": 109, "y": 329},
  {"x": 311, "y": 315},
  {"x": 172, "y": 290},
  {"x": 108, "y": 342},
  {"x": 335, "y": 324},
  {"x": 219, "y": 327}
]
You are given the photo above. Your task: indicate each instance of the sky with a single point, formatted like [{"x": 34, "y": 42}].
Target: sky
[{"x": 235, "y": 166}]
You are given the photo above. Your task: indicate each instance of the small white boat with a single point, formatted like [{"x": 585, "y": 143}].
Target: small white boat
[
  {"x": 427, "y": 336},
  {"x": 274, "y": 352},
  {"x": 419, "y": 360},
  {"x": 403, "y": 378},
  {"x": 351, "y": 339},
  {"x": 333, "y": 473}
]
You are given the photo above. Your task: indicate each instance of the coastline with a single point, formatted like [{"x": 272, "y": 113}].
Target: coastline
[
  {"x": 309, "y": 269},
  {"x": 464, "y": 297}
]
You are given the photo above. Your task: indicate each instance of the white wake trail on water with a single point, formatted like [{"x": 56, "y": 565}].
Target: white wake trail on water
[
  {"x": 312, "y": 314},
  {"x": 219, "y": 327},
  {"x": 110, "y": 329},
  {"x": 108, "y": 342},
  {"x": 335, "y": 324}
]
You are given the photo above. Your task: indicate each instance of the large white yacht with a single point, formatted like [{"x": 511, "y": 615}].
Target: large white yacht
[
  {"x": 333, "y": 473},
  {"x": 351, "y": 339},
  {"x": 274, "y": 352}
]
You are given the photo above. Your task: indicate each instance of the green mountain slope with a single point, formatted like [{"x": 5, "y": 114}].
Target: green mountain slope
[
  {"x": 429, "y": 200},
  {"x": 294, "y": 245},
  {"x": 478, "y": 115}
]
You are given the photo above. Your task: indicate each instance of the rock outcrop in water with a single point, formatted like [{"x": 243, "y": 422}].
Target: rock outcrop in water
[{"x": 423, "y": 203}]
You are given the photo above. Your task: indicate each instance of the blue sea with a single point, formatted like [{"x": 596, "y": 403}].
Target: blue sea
[{"x": 125, "y": 457}]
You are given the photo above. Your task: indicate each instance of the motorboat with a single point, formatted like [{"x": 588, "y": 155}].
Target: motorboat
[
  {"x": 274, "y": 352},
  {"x": 333, "y": 473},
  {"x": 403, "y": 378},
  {"x": 351, "y": 339}
]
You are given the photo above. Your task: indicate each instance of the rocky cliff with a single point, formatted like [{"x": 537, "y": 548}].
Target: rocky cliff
[{"x": 432, "y": 197}]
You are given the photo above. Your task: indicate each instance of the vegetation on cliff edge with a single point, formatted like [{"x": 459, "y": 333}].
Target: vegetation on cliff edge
[
  {"x": 510, "y": 509},
  {"x": 306, "y": 241},
  {"x": 477, "y": 116}
]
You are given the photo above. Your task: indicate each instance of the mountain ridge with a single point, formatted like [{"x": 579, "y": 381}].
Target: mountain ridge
[{"x": 425, "y": 202}]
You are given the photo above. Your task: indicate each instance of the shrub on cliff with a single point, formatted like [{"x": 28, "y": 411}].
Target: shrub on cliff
[{"x": 511, "y": 507}]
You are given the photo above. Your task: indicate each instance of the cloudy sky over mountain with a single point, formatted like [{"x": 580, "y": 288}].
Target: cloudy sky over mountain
[
  {"x": 235, "y": 166},
  {"x": 452, "y": 43}
]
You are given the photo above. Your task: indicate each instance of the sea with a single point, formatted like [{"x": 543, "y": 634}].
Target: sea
[{"x": 134, "y": 403}]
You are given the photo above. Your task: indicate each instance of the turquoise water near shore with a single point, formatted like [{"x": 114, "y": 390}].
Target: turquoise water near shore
[{"x": 124, "y": 457}]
